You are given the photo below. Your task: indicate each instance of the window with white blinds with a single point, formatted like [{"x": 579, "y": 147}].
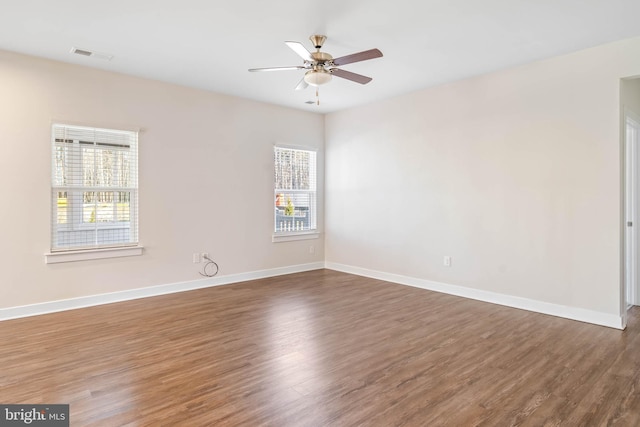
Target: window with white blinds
[
  {"x": 294, "y": 190},
  {"x": 94, "y": 188}
]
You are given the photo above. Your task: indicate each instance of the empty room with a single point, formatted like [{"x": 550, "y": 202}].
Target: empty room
[{"x": 354, "y": 213}]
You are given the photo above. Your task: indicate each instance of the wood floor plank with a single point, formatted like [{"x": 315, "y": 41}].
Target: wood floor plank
[{"x": 321, "y": 348}]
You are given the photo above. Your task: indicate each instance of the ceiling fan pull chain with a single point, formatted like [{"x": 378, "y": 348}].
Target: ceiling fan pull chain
[{"x": 317, "y": 96}]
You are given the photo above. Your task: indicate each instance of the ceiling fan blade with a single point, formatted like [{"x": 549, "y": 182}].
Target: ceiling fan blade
[
  {"x": 293, "y": 67},
  {"x": 298, "y": 48},
  {"x": 302, "y": 85},
  {"x": 358, "y": 78},
  {"x": 357, "y": 57}
]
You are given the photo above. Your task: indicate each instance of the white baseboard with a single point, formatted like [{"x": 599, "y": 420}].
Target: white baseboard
[
  {"x": 573, "y": 313},
  {"x": 93, "y": 300}
]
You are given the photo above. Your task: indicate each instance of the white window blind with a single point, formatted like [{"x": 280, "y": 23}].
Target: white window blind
[
  {"x": 295, "y": 190},
  {"x": 94, "y": 189}
]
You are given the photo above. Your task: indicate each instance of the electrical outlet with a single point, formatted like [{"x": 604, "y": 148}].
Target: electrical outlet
[
  {"x": 312, "y": 249},
  {"x": 196, "y": 258},
  {"x": 447, "y": 261}
]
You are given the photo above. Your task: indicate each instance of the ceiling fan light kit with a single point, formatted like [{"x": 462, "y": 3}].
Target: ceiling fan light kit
[
  {"x": 317, "y": 77},
  {"x": 321, "y": 66}
]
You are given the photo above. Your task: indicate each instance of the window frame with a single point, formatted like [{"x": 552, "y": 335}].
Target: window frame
[
  {"x": 293, "y": 235},
  {"x": 75, "y": 188}
]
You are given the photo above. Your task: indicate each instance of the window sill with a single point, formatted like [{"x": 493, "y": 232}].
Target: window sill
[
  {"x": 289, "y": 237},
  {"x": 89, "y": 254}
]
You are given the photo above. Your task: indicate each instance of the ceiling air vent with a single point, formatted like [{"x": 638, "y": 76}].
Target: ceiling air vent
[
  {"x": 85, "y": 52},
  {"x": 82, "y": 52}
]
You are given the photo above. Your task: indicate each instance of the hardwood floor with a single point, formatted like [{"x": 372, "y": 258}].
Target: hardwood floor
[{"x": 321, "y": 348}]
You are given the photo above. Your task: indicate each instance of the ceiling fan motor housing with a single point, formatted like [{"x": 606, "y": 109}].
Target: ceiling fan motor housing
[
  {"x": 321, "y": 57},
  {"x": 319, "y": 75}
]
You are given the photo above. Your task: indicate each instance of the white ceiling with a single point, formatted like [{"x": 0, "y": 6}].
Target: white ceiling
[{"x": 210, "y": 44}]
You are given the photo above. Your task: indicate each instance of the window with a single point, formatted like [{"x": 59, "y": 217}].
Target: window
[
  {"x": 294, "y": 191},
  {"x": 94, "y": 188}
]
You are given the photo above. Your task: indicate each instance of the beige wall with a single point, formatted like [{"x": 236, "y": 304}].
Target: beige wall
[
  {"x": 206, "y": 178},
  {"x": 516, "y": 175}
]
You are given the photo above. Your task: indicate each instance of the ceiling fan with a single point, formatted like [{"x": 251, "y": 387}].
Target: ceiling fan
[{"x": 321, "y": 66}]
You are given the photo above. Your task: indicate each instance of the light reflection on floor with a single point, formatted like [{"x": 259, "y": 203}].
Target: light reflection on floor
[{"x": 293, "y": 354}]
